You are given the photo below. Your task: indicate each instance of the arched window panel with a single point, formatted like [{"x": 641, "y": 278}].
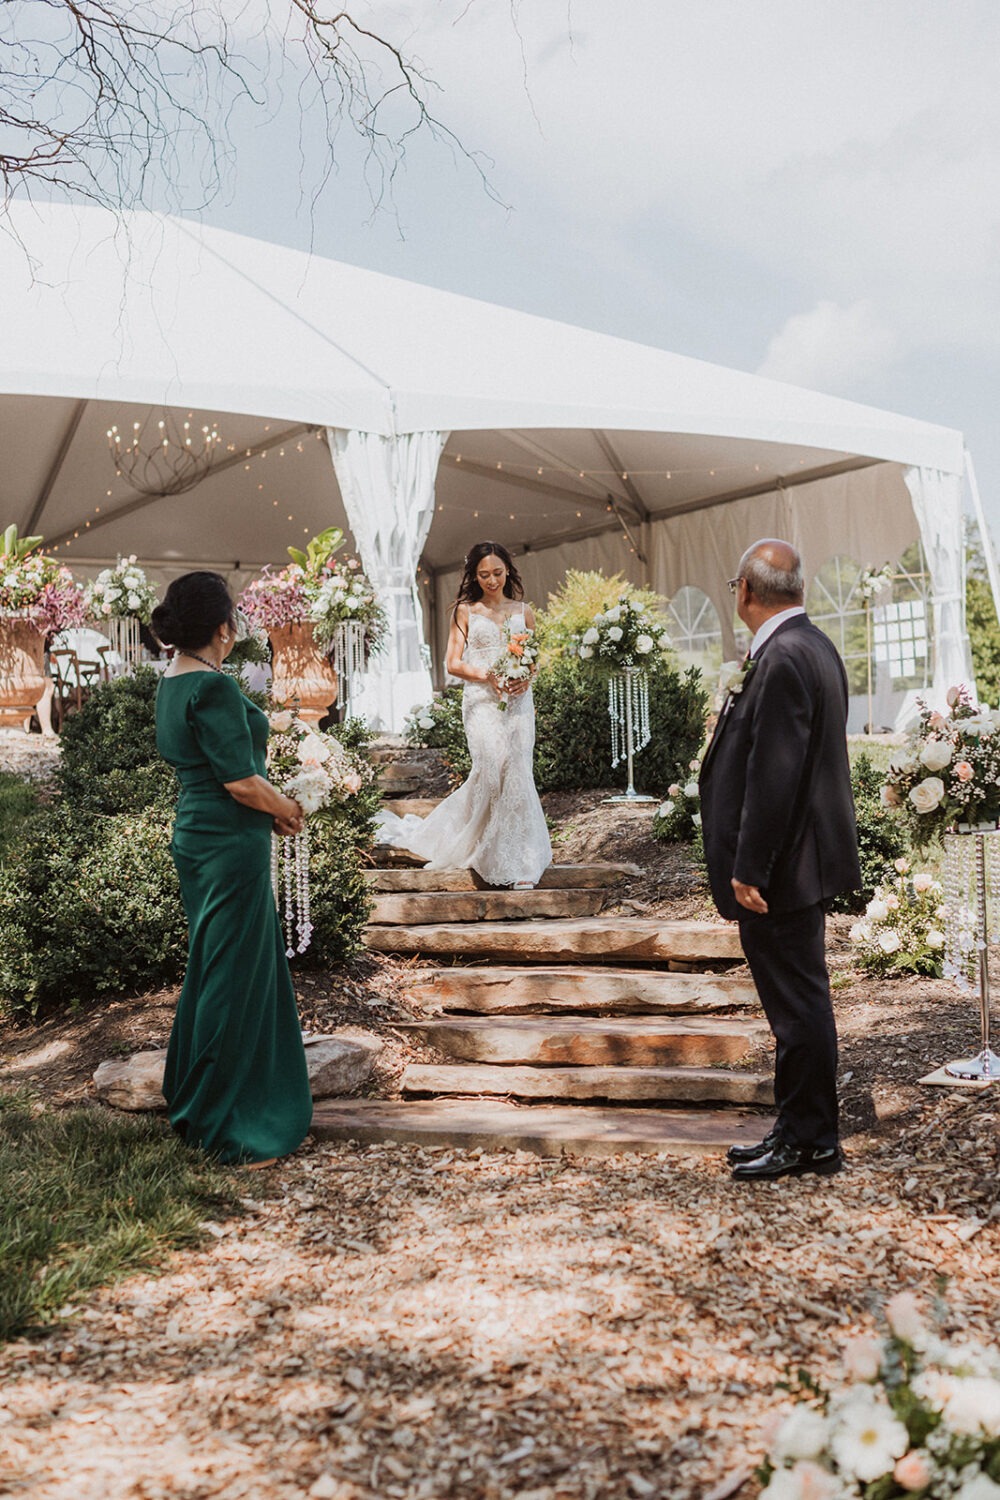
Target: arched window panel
[{"x": 696, "y": 631}]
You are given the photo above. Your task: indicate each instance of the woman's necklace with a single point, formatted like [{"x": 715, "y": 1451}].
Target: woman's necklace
[{"x": 203, "y": 659}]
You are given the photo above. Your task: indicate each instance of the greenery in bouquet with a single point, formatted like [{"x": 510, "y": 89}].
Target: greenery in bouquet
[
  {"x": 901, "y": 931},
  {"x": 627, "y": 633},
  {"x": 949, "y": 770},
  {"x": 120, "y": 593},
  {"x": 915, "y": 1416},
  {"x": 316, "y": 588},
  {"x": 37, "y": 588},
  {"x": 677, "y": 820}
]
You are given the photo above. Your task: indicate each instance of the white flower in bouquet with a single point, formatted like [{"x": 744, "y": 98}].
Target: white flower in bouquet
[
  {"x": 281, "y": 720},
  {"x": 112, "y": 595},
  {"x": 425, "y": 722},
  {"x": 866, "y": 1439},
  {"x": 803, "y": 1434},
  {"x": 644, "y": 644},
  {"x": 903, "y": 1315},
  {"x": 586, "y": 652},
  {"x": 981, "y": 1487},
  {"x": 691, "y": 789},
  {"x": 133, "y": 601},
  {"x": 922, "y": 881},
  {"x": 311, "y": 788},
  {"x": 927, "y": 794},
  {"x": 863, "y": 1355},
  {"x": 313, "y": 749},
  {"x": 664, "y": 642},
  {"x": 614, "y": 614},
  {"x": 860, "y": 932},
  {"x": 591, "y": 636},
  {"x": 973, "y": 1407},
  {"x": 665, "y": 809},
  {"x": 876, "y": 910},
  {"x": 805, "y": 1481},
  {"x": 615, "y": 632},
  {"x": 890, "y": 941}
]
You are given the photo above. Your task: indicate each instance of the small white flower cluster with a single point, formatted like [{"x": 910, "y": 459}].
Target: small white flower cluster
[
  {"x": 919, "y": 1415},
  {"x": 626, "y": 635},
  {"x": 678, "y": 817},
  {"x": 902, "y": 928},
  {"x": 949, "y": 770},
  {"x": 873, "y": 581},
  {"x": 121, "y": 592}
]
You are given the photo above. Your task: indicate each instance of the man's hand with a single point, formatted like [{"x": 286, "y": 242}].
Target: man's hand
[{"x": 750, "y": 897}]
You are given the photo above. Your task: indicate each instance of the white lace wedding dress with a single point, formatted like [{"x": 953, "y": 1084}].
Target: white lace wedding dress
[{"x": 494, "y": 823}]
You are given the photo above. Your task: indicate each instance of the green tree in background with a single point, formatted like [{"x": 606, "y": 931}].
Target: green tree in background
[{"x": 982, "y": 625}]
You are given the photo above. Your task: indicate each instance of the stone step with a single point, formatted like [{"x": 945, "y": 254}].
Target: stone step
[
  {"x": 592, "y": 1041},
  {"x": 398, "y": 778},
  {"x": 588, "y": 988},
  {"x": 601, "y": 939},
  {"x": 555, "y": 878},
  {"x": 618, "y": 1085},
  {"x": 420, "y": 806},
  {"x": 412, "y": 909},
  {"x": 547, "y": 1130}
]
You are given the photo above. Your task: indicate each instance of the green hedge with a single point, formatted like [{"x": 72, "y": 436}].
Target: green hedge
[{"x": 89, "y": 899}]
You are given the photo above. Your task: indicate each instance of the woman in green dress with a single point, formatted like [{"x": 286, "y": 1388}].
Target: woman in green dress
[{"x": 235, "y": 1080}]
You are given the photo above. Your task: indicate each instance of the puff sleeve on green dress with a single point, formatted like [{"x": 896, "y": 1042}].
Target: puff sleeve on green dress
[{"x": 235, "y": 1079}]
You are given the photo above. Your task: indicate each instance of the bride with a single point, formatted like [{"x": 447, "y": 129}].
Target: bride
[{"x": 494, "y": 823}]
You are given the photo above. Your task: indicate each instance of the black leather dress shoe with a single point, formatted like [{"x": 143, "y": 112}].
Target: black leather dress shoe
[
  {"x": 785, "y": 1160},
  {"x": 751, "y": 1153}
]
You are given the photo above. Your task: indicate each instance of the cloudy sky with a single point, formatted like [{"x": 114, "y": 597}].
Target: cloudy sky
[{"x": 807, "y": 190}]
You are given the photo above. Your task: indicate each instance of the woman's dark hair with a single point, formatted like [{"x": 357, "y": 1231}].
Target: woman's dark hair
[
  {"x": 193, "y": 608},
  {"x": 469, "y": 590}
]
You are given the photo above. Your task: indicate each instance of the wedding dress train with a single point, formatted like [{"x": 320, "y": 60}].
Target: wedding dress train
[{"x": 493, "y": 823}]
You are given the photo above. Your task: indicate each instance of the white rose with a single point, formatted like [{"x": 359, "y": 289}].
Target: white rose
[
  {"x": 860, "y": 932},
  {"x": 922, "y": 881},
  {"x": 664, "y": 810},
  {"x": 425, "y": 722},
  {"x": 614, "y": 614},
  {"x": 615, "y": 633},
  {"x": 664, "y": 642},
  {"x": 981, "y": 1487},
  {"x": 591, "y": 636},
  {"x": 112, "y": 595},
  {"x": 934, "y": 938},
  {"x": 691, "y": 790},
  {"x": 973, "y": 1406},
  {"x": 586, "y": 652},
  {"x": 876, "y": 910},
  {"x": 281, "y": 720},
  {"x": 890, "y": 940},
  {"x": 862, "y": 1357},
  {"x": 133, "y": 560},
  {"x": 802, "y": 1435},
  {"x": 927, "y": 794},
  {"x": 902, "y": 1313},
  {"x": 935, "y": 755},
  {"x": 133, "y": 601},
  {"x": 644, "y": 644}
]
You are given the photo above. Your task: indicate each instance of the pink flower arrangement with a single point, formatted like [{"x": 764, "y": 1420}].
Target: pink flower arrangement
[{"x": 276, "y": 599}]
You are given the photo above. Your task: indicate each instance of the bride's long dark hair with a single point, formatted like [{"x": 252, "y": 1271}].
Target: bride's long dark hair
[{"x": 470, "y": 591}]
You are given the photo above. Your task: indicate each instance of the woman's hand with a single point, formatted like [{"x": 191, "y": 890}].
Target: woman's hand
[{"x": 290, "y": 820}]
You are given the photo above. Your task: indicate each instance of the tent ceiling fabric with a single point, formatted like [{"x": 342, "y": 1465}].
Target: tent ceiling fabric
[{"x": 562, "y": 443}]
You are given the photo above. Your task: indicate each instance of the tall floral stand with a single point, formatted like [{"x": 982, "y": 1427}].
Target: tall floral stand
[
  {"x": 126, "y": 644},
  {"x": 972, "y": 899},
  {"x": 628, "y": 710},
  {"x": 301, "y": 672},
  {"x": 22, "y": 669},
  {"x": 348, "y": 652}
]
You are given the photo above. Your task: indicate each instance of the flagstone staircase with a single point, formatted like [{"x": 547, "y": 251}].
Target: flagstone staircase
[{"x": 560, "y": 1027}]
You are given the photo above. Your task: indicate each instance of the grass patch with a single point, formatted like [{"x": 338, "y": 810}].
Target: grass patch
[
  {"x": 86, "y": 1198},
  {"x": 17, "y": 803}
]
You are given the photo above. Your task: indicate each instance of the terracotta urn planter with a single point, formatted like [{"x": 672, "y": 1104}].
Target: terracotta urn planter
[
  {"x": 302, "y": 674},
  {"x": 22, "y": 668}
]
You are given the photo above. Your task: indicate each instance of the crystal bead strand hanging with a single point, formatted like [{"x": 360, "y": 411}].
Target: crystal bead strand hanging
[
  {"x": 289, "y": 872},
  {"x": 303, "y": 924}
]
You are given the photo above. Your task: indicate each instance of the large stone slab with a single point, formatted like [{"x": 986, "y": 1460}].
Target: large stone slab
[
  {"x": 545, "y": 1129},
  {"x": 411, "y": 909},
  {"x": 419, "y": 806},
  {"x": 600, "y": 939},
  {"x": 619, "y": 1085},
  {"x": 338, "y": 1065},
  {"x": 583, "y": 987},
  {"x": 555, "y": 878},
  {"x": 592, "y": 1041}
]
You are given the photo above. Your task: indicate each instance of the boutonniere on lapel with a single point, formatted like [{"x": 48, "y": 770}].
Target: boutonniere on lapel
[{"x": 733, "y": 678}]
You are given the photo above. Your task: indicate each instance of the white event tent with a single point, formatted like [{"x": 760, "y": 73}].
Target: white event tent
[{"x": 421, "y": 422}]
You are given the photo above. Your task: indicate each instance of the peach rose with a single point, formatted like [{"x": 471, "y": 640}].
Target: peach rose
[
  {"x": 912, "y": 1471},
  {"x": 964, "y": 771}
]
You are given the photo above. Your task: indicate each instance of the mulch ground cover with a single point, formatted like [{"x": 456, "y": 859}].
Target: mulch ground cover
[{"x": 413, "y": 1323}]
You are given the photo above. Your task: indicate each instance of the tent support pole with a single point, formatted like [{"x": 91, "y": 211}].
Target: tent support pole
[{"x": 76, "y": 417}]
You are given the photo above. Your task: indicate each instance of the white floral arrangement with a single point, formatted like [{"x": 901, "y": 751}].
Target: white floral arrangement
[
  {"x": 120, "y": 593},
  {"x": 873, "y": 581},
  {"x": 948, "y": 772},
  {"x": 628, "y": 634},
  {"x": 677, "y": 820},
  {"x": 902, "y": 931},
  {"x": 917, "y": 1416}
]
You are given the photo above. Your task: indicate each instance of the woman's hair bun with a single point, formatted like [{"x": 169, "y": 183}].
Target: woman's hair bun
[
  {"x": 164, "y": 623},
  {"x": 194, "y": 607}
]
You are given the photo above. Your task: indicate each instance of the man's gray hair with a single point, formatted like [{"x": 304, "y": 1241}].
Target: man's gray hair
[{"x": 769, "y": 584}]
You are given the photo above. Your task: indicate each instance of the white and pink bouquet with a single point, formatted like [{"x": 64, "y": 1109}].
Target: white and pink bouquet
[
  {"x": 628, "y": 634},
  {"x": 121, "y": 593},
  {"x": 948, "y": 773},
  {"x": 319, "y": 773},
  {"x": 319, "y": 589},
  {"x": 516, "y": 662},
  {"x": 35, "y": 587},
  {"x": 915, "y": 1416}
]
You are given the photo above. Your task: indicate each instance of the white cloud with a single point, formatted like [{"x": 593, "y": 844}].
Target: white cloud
[{"x": 832, "y": 348}]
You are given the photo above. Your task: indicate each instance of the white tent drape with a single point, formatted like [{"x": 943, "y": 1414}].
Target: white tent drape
[
  {"x": 387, "y": 485},
  {"x": 937, "y": 506}
]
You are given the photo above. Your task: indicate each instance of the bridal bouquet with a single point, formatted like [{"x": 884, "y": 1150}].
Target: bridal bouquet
[
  {"x": 626, "y": 635},
  {"x": 949, "y": 770},
  {"x": 122, "y": 592},
  {"x": 318, "y": 772},
  {"x": 917, "y": 1417},
  {"x": 516, "y": 661}
]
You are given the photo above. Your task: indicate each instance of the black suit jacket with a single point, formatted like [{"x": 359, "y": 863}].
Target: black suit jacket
[{"x": 776, "y": 802}]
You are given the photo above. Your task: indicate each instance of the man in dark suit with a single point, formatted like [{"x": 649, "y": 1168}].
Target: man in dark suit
[{"x": 780, "y": 841}]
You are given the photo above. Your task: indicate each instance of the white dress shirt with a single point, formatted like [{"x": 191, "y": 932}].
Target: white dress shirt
[{"x": 771, "y": 624}]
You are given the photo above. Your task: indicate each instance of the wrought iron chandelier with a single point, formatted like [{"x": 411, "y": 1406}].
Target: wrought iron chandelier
[{"x": 163, "y": 456}]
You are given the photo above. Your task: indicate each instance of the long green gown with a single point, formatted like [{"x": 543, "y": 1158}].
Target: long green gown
[{"x": 235, "y": 1081}]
